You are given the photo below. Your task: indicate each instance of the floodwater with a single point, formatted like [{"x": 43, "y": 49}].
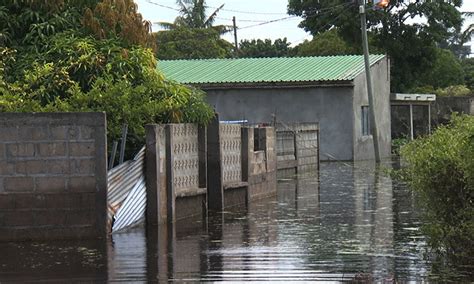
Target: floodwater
[{"x": 353, "y": 224}]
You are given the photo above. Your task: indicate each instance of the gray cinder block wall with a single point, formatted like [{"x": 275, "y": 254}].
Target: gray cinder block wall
[{"x": 52, "y": 176}]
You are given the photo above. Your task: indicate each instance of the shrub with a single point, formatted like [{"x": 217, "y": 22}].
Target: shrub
[
  {"x": 440, "y": 169},
  {"x": 80, "y": 73}
]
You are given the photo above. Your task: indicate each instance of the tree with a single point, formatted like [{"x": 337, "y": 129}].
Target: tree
[
  {"x": 192, "y": 34},
  {"x": 324, "y": 44},
  {"x": 193, "y": 15},
  {"x": 468, "y": 67},
  {"x": 118, "y": 18},
  {"x": 189, "y": 43},
  {"x": 50, "y": 62},
  {"x": 264, "y": 48},
  {"x": 410, "y": 45},
  {"x": 446, "y": 71}
]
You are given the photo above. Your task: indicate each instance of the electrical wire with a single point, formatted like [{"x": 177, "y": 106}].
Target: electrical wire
[{"x": 326, "y": 11}]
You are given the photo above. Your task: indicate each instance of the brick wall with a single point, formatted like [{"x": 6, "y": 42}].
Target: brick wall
[{"x": 52, "y": 176}]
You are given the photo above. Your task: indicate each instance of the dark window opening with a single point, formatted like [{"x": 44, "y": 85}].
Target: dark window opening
[
  {"x": 259, "y": 139},
  {"x": 365, "y": 121}
]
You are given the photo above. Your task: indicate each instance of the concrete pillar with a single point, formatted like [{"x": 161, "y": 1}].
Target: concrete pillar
[
  {"x": 202, "y": 150},
  {"x": 245, "y": 152},
  {"x": 412, "y": 135},
  {"x": 270, "y": 148},
  {"x": 152, "y": 176},
  {"x": 215, "y": 190},
  {"x": 170, "y": 192}
]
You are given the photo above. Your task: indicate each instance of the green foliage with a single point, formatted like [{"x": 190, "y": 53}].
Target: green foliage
[
  {"x": 411, "y": 45},
  {"x": 324, "y": 44},
  {"x": 129, "y": 91},
  {"x": 29, "y": 24},
  {"x": 398, "y": 143},
  {"x": 264, "y": 48},
  {"x": 451, "y": 91},
  {"x": 193, "y": 16},
  {"x": 440, "y": 169},
  {"x": 53, "y": 63},
  {"x": 446, "y": 70},
  {"x": 468, "y": 67},
  {"x": 190, "y": 43}
]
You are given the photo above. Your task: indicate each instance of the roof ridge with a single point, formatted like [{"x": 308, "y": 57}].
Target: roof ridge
[{"x": 261, "y": 58}]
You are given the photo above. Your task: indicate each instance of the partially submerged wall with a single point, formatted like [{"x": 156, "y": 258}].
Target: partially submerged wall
[
  {"x": 443, "y": 107},
  {"x": 297, "y": 147},
  {"x": 52, "y": 176},
  {"x": 175, "y": 172},
  {"x": 191, "y": 169}
]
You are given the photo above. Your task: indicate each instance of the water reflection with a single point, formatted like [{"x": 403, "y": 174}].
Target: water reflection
[{"x": 352, "y": 224}]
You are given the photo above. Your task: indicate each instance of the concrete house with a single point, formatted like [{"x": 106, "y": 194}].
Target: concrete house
[{"x": 328, "y": 90}]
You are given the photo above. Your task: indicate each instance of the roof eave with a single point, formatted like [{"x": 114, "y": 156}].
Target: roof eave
[{"x": 273, "y": 85}]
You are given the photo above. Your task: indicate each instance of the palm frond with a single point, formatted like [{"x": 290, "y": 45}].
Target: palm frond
[
  {"x": 467, "y": 34},
  {"x": 210, "y": 20},
  {"x": 468, "y": 13},
  {"x": 167, "y": 25}
]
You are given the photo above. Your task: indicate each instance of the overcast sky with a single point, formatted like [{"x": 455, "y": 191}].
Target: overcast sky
[{"x": 250, "y": 15}]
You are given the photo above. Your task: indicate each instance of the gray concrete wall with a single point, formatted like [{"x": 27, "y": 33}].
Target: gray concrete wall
[
  {"x": 442, "y": 108},
  {"x": 262, "y": 164},
  {"x": 330, "y": 106},
  {"x": 363, "y": 145},
  {"x": 53, "y": 176}
]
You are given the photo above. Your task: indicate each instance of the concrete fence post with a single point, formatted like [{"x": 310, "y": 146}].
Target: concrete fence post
[
  {"x": 152, "y": 176},
  {"x": 215, "y": 190},
  {"x": 202, "y": 152},
  {"x": 245, "y": 153},
  {"x": 170, "y": 191}
]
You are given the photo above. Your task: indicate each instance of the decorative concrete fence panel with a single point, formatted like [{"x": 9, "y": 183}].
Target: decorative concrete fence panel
[
  {"x": 185, "y": 158},
  {"x": 53, "y": 176},
  {"x": 174, "y": 171},
  {"x": 231, "y": 148}
]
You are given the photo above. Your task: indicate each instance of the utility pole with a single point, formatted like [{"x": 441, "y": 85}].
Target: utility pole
[
  {"x": 365, "y": 45},
  {"x": 235, "y": 36}
]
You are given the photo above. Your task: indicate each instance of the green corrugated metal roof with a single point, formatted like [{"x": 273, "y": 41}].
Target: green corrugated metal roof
[{"x": 258, "y": 70}]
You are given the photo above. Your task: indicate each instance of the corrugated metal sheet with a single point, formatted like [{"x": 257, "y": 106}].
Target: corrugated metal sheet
[
  {"x": 132, "y": 211},
  {"x": 121, "y": 180},
  {"x": 258, "y": 70}
]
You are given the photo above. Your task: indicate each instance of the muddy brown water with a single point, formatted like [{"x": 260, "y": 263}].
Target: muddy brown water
[{"x": 348, "y": 223}]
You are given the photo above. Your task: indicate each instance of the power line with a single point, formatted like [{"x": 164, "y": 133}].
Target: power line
[
  {"x": 325, "y": 11},
  {"x": 163, "y": 6},
  {"x": 220, "y": 18},
  {"x": 246, "y": 12},
  {"x": 268, "y": 22}
]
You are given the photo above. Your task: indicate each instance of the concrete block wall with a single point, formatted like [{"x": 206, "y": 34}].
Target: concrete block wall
[
  {"x": 52, "y": 176},
  {"x": 262, "y": 163}
]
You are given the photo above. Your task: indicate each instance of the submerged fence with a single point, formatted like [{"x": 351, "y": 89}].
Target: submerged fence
[
  {"x": 297, "y": 146},
  {"x": 191, "y": 169}
]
